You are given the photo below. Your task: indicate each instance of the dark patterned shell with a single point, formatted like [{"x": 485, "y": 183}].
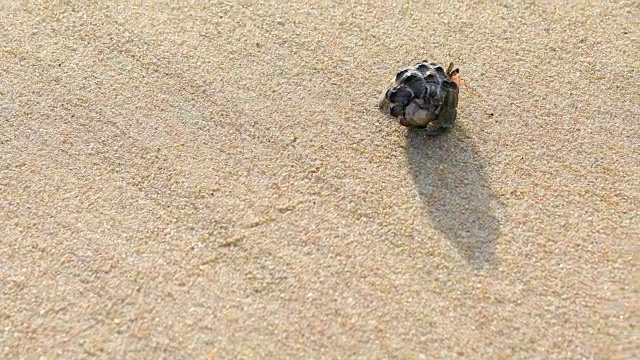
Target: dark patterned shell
[{"x": 418, "y": 94}]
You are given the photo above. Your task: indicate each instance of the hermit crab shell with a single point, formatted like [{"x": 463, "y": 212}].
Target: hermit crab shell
[{"x": 422, "y": 94}]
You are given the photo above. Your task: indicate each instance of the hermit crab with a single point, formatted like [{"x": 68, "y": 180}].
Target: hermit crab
[{"x": 423, "y": 96}]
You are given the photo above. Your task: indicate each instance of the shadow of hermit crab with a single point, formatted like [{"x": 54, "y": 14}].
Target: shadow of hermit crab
[
  {"x": 449, "y": 178},
  {"x": 447, "y": 172}
]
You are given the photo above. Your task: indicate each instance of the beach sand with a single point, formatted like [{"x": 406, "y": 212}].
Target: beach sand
[{"x": 205, "y": 181}]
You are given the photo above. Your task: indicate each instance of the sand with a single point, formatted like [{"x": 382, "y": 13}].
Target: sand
[{"x": 213, "y": 180}]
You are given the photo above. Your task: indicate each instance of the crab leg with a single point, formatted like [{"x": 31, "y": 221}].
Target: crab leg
[
  {"x": 450, "y": 67},
  {"x": 451, "y": 71}
]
